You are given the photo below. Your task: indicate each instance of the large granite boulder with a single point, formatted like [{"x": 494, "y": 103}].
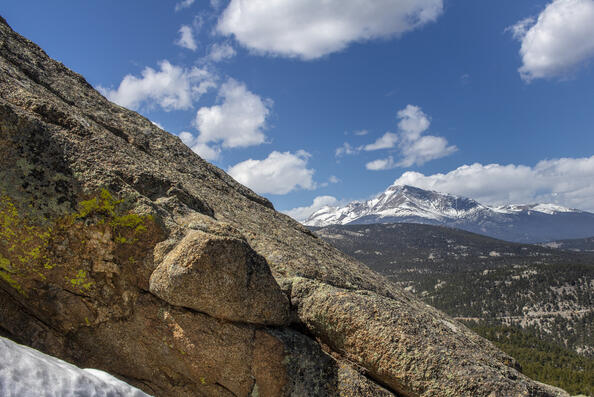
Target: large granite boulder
[{"x": 222, "y": 276}]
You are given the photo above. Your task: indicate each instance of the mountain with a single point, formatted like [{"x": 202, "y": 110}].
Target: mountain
[
  {"x": 518, "y": 223},
  {"x": 473, "y": 277},
  {"x": 122, "y": 250}
]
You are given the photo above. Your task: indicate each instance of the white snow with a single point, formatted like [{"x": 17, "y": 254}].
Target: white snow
[
  {"x": 551, "y": 208},
  {"x": 26, "y": 372},
  {"x": 409, "y": 202}
]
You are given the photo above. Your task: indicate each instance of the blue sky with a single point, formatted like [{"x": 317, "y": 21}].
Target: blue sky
[{"x": 492, "y": 99}]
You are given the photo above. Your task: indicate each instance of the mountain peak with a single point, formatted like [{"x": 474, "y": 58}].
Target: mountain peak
[{"x": 405, "y": 203}]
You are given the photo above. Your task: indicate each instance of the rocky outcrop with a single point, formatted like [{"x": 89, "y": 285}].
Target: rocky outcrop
[
  {"x": 222, "y": 276},
  {"x": 120, "y": 249}
]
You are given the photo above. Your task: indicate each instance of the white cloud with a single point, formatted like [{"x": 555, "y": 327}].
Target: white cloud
[
  {"x": 520, "y": 29},
  {"x": 302, "y": 213},
  {"x": 203, "y": 150},
  {"x": 186, "y": 38},
  {"x": 361, "y": 132},
  {"x": 221, "y": 51},
  {"x": 387, "y": 141},
  {"x": 346, "y": 148},
  {"x": 381, "y": 164},
  {"x": 414, "y": 148},
  {"x": 425, "y": 149},
  {"x": 238, "y": 122},
  {"x": 172, "y": 87},
  {"x": 279, "y": 173},
  {"x": 558, "y": 41},
  {"x": 564, "y": 181},
  {"x": 309, "y": 29},
  {"x": 413, "y": 122},
  {"x": 333, "y": 179},
  {"x": 183, "y": 4}
]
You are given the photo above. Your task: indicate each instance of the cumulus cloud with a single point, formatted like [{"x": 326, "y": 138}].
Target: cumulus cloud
[
  {"x": 279, "y": 173},
  {"x": 413, "y": 122},
  {"x": 220, "y": 51},
  {"x": 414, "y": 148},
  {"x": 309, "y": 29},
  {"x": 425, "y": 149},
  {"x": 302, "y": 213},
  {"x": 387, "y": 141},
  {"x": 381, "y": 164},
  {"x": 558, "y": 41},
  {"x": 361, "y": 132},
  {"x": 203, "y": 150},
  {"x": 238, "y": 121},
  {"x": 564, "y": 181},
  {"x": 183, "y": 4},
  {"x": 186, "y": 38},
  {"x": 172, "y": 87}
]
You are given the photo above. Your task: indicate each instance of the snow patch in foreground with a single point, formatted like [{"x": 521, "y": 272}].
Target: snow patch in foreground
[{"x": 26, "y": 372}]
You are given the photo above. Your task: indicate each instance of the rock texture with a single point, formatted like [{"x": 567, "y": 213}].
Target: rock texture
[
  {"x": 122, "y": 250},
  {"x": 223, "y": 277}
]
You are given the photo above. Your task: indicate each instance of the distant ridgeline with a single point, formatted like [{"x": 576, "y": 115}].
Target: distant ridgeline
[{"x": 407, "y": 204}]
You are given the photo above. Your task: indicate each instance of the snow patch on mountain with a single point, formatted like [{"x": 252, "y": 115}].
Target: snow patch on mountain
[{"x": 403, "y": 203}]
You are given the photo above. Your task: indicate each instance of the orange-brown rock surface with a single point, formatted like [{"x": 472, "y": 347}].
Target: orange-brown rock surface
[{"x": 121, "y": 249}]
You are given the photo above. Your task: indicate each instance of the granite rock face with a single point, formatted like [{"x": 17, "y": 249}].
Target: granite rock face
[
  {"x": 120, "y": 249},
  {"x": 223, "y": 277}
]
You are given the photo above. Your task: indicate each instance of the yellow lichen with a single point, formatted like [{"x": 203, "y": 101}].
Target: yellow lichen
[
  {"x": 5, "y": 271},
  {"x": 24, "y": 244},
  {"x": 45, "y": 250}
]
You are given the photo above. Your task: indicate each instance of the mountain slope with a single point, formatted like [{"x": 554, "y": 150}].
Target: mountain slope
[
  {"x": 519, "y": 223},
  {"x": 123, "y": 250},
  {"x": 470, "y": 276}
]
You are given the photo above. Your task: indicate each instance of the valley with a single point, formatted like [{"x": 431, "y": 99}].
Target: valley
[{"x": 536, "y": 303}]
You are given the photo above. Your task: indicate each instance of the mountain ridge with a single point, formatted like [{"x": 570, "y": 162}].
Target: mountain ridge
[{"x": 527, "y": 223}]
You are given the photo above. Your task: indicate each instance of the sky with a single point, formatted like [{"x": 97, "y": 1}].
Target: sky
[{"x": 314, "y": 103}]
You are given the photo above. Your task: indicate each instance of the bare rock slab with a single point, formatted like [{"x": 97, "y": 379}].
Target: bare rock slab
[{"x": 413, "y": 353}]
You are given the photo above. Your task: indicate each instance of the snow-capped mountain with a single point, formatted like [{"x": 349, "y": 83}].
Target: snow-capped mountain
[{"x": 521, "y": 223}]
